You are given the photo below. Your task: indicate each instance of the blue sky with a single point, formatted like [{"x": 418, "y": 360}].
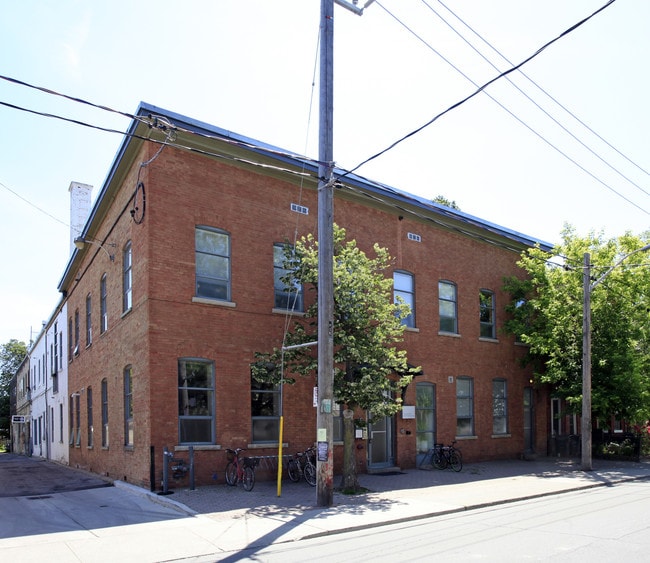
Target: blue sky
[{"x": 250, "y": 67}]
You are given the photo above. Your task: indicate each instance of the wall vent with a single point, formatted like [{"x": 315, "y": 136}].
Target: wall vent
[
  {"x": 299, "y": 209},
  {"x": 413, "y": 236}
]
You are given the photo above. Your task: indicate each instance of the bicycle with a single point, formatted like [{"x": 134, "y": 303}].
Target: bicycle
[
  {"x": 446, "y": 456},
  {"x": 303, "y": 464},
  {"x": 240, "y": 469}
]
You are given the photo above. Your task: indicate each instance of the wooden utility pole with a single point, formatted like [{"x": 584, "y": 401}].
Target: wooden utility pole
[{"x": 324, "y": 424}]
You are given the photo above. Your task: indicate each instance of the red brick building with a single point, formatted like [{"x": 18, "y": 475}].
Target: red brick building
[{"x": 173, "y": 293}]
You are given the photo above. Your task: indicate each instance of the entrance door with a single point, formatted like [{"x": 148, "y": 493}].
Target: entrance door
[
  {"x": 380, "y": 443},
  {"x": 425, "y": 414},
  {"x": 529, "y": 418}
]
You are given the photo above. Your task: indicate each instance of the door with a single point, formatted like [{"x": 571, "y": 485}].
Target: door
[
  {"x": 425, "y": 415},
  {"x": 380, "y": 443},
  {"x": 529, "y": 418}
]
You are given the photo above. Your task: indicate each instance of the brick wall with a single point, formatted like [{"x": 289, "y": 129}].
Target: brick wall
[{"x": 184, "y": 190}]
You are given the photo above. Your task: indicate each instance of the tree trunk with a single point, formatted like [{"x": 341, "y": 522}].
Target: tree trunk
[{"x": 349, "y": 482}]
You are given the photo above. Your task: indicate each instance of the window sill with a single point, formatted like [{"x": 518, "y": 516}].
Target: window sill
[
  {"x": 501, "y": 435},
  {"x": 411, "y": 329},
  {"x": 219, "y": 302},
  {"x": 486, "y": 339},
  {"x": 277, "y": 311},
  {"x": 125, "y": 313},
  {"x": 197, "y": 447},
  {"x": 460, "y": 438},
  {"x": 451, "y": 334},
  {"x": 266, "y": 445}
]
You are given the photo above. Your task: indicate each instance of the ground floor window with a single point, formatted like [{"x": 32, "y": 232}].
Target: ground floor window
[
  {"x": 425, "y": 416},
  {"x": 265, "y": 411},
  {"x": 196, "y": 401},
  {"x": 464, "y": 406},
  {"x": 499, "y": 406}
]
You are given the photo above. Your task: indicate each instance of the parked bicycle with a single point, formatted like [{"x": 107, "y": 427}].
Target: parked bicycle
[
  {"x": 304, "y": 463},
  {"x": 240, "y": 469},
  {"x": 447, "y": 456}
]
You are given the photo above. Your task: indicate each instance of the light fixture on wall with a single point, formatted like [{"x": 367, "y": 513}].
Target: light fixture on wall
[{"x": 81, "y": 242}]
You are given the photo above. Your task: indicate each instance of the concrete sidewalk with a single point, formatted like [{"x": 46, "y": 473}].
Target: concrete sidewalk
[
  {"x": 260, "y": 517},
  {"x": 218, "y": 522}
]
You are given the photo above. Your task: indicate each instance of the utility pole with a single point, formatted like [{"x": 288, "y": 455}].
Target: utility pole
[
  {"x": 587, "y": 288},
  {"x": 324, "y": 422}
]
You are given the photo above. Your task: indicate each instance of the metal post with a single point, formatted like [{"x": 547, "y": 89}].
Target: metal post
[
  {"x": 585, "y": 422},
  {"x": 324, "y": 425},
  {"x": 191, "y": 454}
]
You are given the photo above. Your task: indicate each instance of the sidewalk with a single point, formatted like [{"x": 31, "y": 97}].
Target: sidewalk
[
  {"x": 260, "y": 517},
  {"x": 217, "y": 522}
]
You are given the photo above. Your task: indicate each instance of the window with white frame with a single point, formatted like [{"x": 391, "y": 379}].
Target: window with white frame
[
  {"x": 103, "y": 310},
  {"x": 404, "y": 291},
  {"x": 288, "y": 292},
  {"x": 499, "y": 406},
  {"x": 104, "y": 413},
  {"x": 448, "y": 306},
  {"x": 89, "y": 327},
  {"x": 487, "y": 314},
  {"x": 464, "y": 406},
  {"x": 128, "y": 407},
  {"x": 127, "y": 277},
  {"x": 212, "y": 255}
]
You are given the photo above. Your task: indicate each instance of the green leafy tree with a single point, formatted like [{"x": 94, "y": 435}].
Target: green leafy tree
[
  {"x": 547, "y": 315},
  {"x": 370, "y": 371},
  {"x": 11, "y": 355},
  {"x": 442, "y": 200}
]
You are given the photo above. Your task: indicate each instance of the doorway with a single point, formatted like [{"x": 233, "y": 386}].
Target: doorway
[
  {"x": 380, "y": 443},
  {"x": 529, "y": 419}
]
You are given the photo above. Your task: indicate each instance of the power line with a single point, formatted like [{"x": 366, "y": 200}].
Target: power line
[
  {"x": 565, "y": 129},
  {"x": 34, "y": 205},
  {"x": 567, "y": 110},
  {"x": 481, "y": 89}
]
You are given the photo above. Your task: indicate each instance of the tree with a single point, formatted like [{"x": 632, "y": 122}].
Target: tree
[
  {"x": 442, "y": 200},
  {"x": 547, "y": 315},
  {"x": 370, "y": 371},
  {"x": 11, "y": 355}
]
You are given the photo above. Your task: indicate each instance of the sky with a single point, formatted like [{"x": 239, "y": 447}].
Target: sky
[{"x": 564, "y": 140}]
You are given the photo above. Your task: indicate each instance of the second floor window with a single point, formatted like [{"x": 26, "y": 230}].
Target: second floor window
[
  {"x": 103, "y": 311},
  {"x": 404, "y": 288},
  {"x": 127, "y": 278},
  {"x": 212, "y": 254},
  {"x": 76, "y": 332},
  {"x": 447, "y": 307},
  {"x": 89, "y": 328},
  {"x": 486, "y": 303},
  {"x": 288, "y": 292}
]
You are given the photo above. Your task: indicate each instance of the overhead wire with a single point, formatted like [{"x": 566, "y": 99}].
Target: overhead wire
[
  {"x": 482, "y": 89},
  {"x": 529, "y": 98},
  {"x": 550, "y": 96}
]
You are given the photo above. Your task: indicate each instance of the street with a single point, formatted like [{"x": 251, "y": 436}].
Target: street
[{"x": 601, "y": 524}]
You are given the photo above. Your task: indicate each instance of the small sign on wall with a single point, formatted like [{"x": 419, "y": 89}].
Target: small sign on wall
[{"x": 408, "y": 411}]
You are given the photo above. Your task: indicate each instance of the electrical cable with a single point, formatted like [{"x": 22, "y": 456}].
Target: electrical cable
[
  {"x": 567, "y": 110},
  {"x": 481, "y": 89},
  {"x": 565, "y": 129}
]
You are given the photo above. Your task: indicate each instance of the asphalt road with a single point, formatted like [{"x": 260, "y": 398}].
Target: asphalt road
[
  {"x": 603, "y": 524},
  {"x": 22, "y": 476}
]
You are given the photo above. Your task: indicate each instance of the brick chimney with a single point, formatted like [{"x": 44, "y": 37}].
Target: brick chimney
[{"x": 79, "y": 209}]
